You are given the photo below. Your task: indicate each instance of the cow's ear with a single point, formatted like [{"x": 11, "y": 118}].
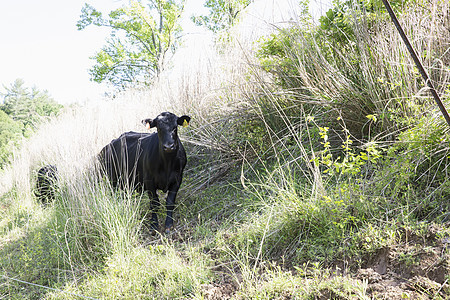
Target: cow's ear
[
  {"x": 183, "y": 121},
  {"x": 149, "y": 123}
]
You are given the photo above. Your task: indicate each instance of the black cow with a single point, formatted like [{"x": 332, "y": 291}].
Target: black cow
[
  {"x": 46, "y": 184},
  {"x": 149, "y": 161}
]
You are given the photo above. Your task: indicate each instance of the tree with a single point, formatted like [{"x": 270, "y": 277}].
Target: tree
[
  {"x": 28, "y": 106},
  {"x": 21, "y": 110},
  {"x": 223, "y": 14},
  {"x": 10, "y": 133},
  {"x": 337, "y": 21},
  {"x": 141, "y": 37}
]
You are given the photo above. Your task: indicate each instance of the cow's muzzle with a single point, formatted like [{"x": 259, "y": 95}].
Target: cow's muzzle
[{"x": 169, "y": 148}]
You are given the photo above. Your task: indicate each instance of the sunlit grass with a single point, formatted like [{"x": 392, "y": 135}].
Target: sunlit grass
[{"x": 142, "y": 273}]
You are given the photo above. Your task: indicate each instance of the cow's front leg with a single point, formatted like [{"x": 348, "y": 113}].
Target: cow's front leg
[
  {"x": 170, "y": 206},
  {"x": 154, "y": 204}
]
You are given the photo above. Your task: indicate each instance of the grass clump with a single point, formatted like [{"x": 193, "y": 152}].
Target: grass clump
[
  {"x": 292, "y": 226},
  {"x": 97, "y": 221},
  {"x": 29, "y": 252},
  {"x": 309, "y": 282},
  {"x": 156, "y": 272},
  {"x": 418, "y": 177}
]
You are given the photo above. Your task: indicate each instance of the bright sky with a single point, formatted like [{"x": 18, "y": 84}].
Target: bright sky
[{"x": 39, "y": 42}]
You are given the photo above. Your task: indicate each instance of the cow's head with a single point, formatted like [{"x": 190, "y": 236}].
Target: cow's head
[{"x": 166, "y": 124}]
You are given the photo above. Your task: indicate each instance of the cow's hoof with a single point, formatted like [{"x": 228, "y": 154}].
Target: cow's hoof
[{"x": 169, "y": 230}]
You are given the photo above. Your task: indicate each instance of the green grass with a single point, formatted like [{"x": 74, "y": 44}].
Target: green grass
[{"x": 144, "y": 273}]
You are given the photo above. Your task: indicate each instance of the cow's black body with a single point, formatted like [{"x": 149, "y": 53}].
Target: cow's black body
[
  {"x": 149, "y": 161},
  {"x": 46, "y": 184}
]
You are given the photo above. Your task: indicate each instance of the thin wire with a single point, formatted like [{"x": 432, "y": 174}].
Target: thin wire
[{"x": 48, "y": 288}]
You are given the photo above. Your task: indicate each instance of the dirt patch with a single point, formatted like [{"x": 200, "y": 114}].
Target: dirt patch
[
  {"x": 416, "y": 268},
  {"x": 218, "y": 291}
]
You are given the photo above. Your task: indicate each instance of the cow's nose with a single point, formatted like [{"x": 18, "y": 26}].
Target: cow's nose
[{"x": 169, "y": 148}]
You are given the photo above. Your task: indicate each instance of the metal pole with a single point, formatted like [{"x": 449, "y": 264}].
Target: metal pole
[{"x": 419, "y": 65}]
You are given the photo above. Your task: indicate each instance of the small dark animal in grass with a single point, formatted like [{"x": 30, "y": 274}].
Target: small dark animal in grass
[
  {"x": 46, "y": 184},
  {"x": 149, "y": 161}
]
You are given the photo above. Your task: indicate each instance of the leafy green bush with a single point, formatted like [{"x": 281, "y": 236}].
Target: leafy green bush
[
  {"x": 21, "y": 112},
  {"x": 347, "y": 68},
  {"x": 293, "y": 226},
  {"x": 10, "y": 134},
  {"x": 414, "y": 172},
  {"x": 28, "y": 106}
]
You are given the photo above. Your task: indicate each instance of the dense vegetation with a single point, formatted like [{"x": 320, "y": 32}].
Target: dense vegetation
[
  {"x": 143, "y": 35},
  {"x": 22, "y": 109},
  {"x": 318, "y": 169}
]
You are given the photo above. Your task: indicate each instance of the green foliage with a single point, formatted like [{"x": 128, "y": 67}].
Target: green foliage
[
  {"x": 338, "y": 22},
  {"x": 344, "y": 68},
  {"x": 10, "y": 134},
  {"x": 158, "y": 272},
  {"x": 28, "y": 106},
  {"x": 22, "y": 110},
  {"x": 414, "y": 170},
  {"x": 289, "y": 224},
  {"x": 353, "y": 160},
  {"x": 276, "y": 57},
  {"x": 223, "y": 14},
  {"x": 31, "y": 253},
  {"x": 142, "y": 35}
]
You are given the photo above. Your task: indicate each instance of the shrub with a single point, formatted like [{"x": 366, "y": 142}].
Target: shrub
[{"x": 347, "y": 68}]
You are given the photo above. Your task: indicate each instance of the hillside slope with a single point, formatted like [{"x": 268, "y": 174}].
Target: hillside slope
[{"x": 317, "y": 169}]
